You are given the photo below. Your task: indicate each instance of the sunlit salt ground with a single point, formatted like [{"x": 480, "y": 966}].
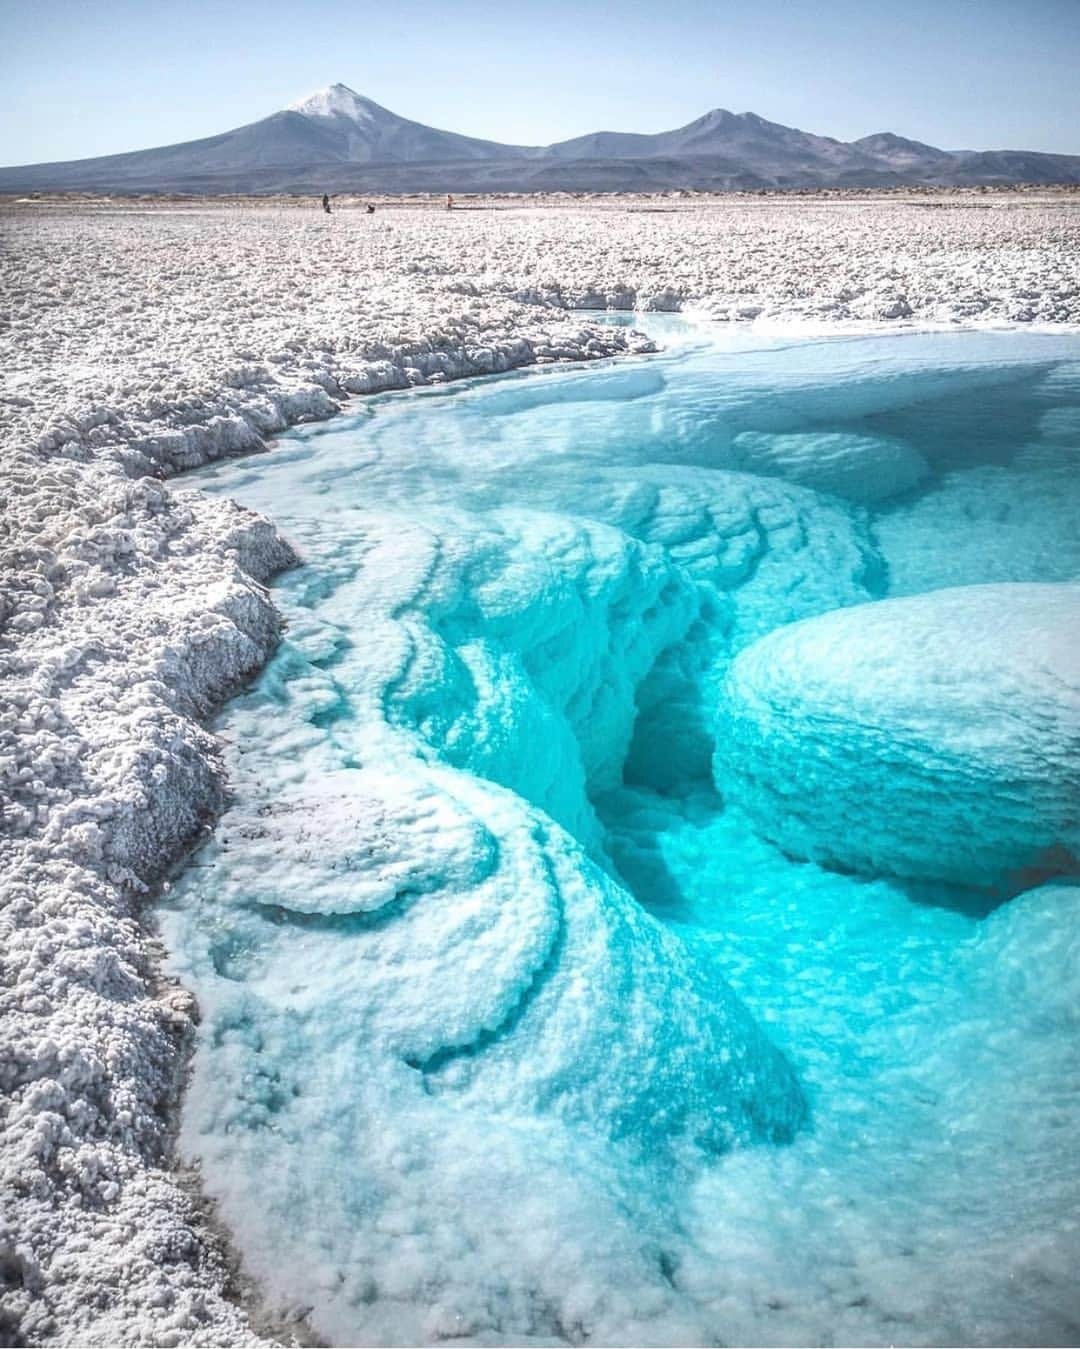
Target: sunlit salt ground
[{"x": 512, "y": 1028}]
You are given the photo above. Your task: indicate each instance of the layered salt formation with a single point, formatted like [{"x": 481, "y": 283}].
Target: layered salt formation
[
  {"x": 490, "y": 722},
  {"x": 129, "y": 612},
  {"x": 144, "y": 342},
  {"x": 408, "y": 940},
  {"x": 860, "y": 468}
]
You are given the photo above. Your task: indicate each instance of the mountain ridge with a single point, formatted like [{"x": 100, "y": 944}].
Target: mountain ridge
[{"x": 338, "y": 140}]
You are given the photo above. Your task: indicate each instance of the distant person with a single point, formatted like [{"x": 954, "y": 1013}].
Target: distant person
[
  {"x": 370, "y": 209},
  {"x": 326, "y": 203},
  {"x": 449, "y": 202}
]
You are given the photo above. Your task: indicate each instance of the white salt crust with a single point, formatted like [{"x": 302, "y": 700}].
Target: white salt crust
[{"x": 139, "y": 342}]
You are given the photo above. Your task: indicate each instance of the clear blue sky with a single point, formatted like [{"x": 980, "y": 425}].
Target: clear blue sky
[{"x": 91, "y": 77}]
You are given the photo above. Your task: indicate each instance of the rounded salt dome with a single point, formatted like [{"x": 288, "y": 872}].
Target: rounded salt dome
[{"x": 936, "y": 736}]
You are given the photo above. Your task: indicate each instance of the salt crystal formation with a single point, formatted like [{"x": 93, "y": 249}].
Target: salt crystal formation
[
  {"x": 407, "y": 938},
  {"x": 140, "y": 342},
  {"x": 494, "y": 711}
]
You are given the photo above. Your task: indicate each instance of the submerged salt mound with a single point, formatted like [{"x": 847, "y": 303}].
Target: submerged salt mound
[
  {"x": 497, "y": 970},
  {"x": 935, "y": 736},
  {"x": 1029, "y": 950},
  {"x": 772, "y": 552},
  {"x": 861, "y": 468},
  {"x": 465, "y": 1053},
  {"x": 1003, "y": 524},
  {"x": 625, "y": 1032}
]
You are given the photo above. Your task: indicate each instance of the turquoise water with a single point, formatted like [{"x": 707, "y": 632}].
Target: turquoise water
[{"x": 515, "y": 1026}]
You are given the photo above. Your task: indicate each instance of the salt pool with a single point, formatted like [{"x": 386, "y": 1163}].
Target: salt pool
[{"x": 565, "y": 972}]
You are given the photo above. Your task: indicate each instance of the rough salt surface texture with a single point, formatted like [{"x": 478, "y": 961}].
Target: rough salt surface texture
[
  {"x": 129, "y": 612},
  {"x": 184, "y": 333},
  {"x": 139, "y": 342},
  {"x": 956, "y": 712}
]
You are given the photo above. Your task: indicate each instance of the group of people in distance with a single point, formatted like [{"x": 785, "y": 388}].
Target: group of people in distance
[
  {"x": 326, "y": 205},
  {"x": 371, "y": 209}
]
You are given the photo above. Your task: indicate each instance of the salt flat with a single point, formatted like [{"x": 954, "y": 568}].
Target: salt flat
[{"x": 138, "y": 341}]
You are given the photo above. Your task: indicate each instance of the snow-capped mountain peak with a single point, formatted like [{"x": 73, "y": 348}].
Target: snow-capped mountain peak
[
  {"x": 337, "y": 100},
  {"x": 336, "y": 140}
]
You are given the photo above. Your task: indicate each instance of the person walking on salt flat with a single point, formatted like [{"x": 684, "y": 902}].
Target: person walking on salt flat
[{"x": 326, "y": 203}]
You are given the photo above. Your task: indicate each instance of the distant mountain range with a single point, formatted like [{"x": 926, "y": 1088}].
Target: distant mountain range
[{"x": 339, "y": 141}]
